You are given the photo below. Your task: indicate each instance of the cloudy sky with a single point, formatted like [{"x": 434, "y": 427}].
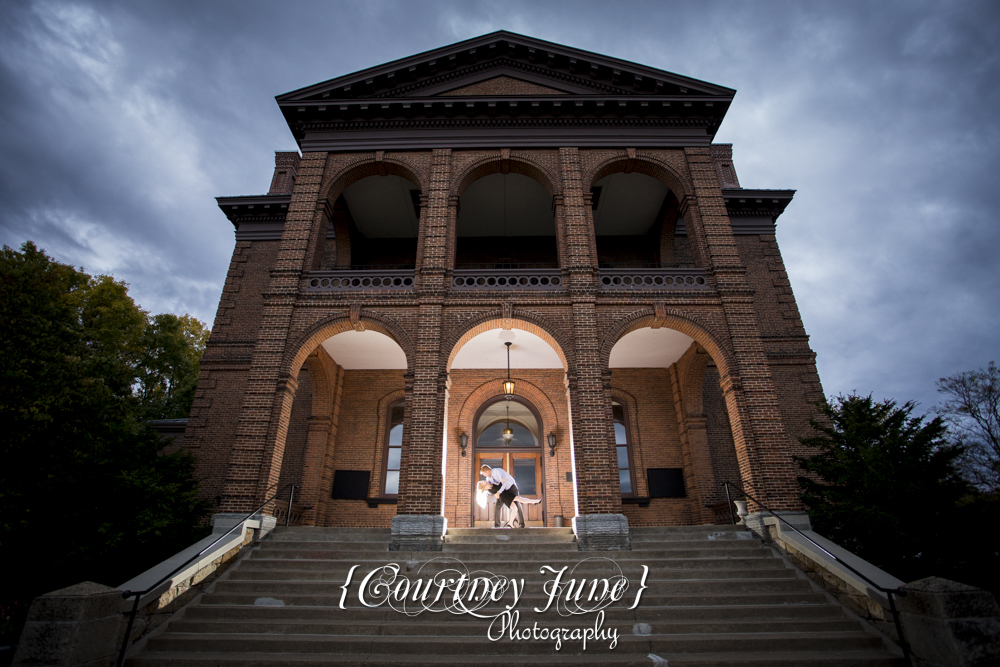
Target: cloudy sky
[{"x": 119, "y": 123}]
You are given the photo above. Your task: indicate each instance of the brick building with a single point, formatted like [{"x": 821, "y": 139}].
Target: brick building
[{"x": 505, "y": 189}]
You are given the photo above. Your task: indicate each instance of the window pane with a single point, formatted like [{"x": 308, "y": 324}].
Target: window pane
[
  {"x": 396, "y": 436},
  {"x": 620, "y": 438},
  {"x": 396, "y": 415},
  {"x": 623, "y": 457},
  {"x": 492, "y": 436},
  {"x": 392, "y": 482},
  {"x": 626, "y": 481},
  {"x": 524, "y": 476},
  {"x": 394, "y": 453},
  {"x": 618, "y": 412}
]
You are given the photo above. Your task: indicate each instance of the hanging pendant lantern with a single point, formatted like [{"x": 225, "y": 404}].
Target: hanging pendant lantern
[
  {"x": 508, "y": 434},
  {"x": 508, "y": 385}
]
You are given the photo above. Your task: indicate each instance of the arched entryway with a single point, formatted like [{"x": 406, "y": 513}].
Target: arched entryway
[{"x": 508, "y": 434}]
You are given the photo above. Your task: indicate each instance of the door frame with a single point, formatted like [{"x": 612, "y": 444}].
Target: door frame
[{"x": 539, "y": 449}]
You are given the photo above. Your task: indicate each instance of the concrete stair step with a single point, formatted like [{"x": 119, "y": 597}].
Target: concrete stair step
[
  {"x": 801, "y": 597},
  {"x": 465, "y": 532},
  {"x": 511, "y": 536},
  {"x": 419, "y": 626},
  {"x": 258, "y": 561},
  {"x": 782, "y": 659},
  {"x": 460, "y": 645},
  {"x": 664, "y": 589},
  {"x": 645, "y": 613},
  {"x": 531, "y": 552},
  {"x": 286, "y": 574}
]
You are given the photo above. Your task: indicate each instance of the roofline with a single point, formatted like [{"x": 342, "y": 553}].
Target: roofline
[{"x": 484, "y": 40}]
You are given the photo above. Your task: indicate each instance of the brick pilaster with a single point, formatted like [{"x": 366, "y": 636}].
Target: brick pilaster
[
  {"x": 435, "y": 235},
  {"x": 255, "y": 460},
  {"x": 758, "y": 428},
  {"x": 420, "y": 482}
]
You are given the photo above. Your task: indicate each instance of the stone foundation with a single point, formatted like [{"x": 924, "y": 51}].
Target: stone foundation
[
  {"x": 417, "y": 532},
  {"x": 602, "y": 532}
]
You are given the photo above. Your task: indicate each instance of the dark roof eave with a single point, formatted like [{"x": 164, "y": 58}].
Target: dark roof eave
[{"x": 485, "y": 40}]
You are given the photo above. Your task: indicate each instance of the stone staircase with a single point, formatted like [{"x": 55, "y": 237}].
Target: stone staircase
[{"x": 716, "y": 597}]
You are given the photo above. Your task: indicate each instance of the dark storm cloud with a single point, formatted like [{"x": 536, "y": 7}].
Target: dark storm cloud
[{"x": 122, "y": 121}]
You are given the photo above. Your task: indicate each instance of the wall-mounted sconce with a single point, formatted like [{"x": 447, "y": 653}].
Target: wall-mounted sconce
[
  {"x": 552, "y": 444},
  {"x": 463, "y": 442}
]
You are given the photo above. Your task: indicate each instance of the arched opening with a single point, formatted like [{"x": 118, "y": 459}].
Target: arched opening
[
  {"x": 505, "y": 221},
  {"x": 520, "y": 454},
  {"x": 373, "y": 225},
  {"x": 669, "y": 448},
  {"x": 539, "y": 452},
  {"x": 345, "y": 447},
  {"x": 636, "y": 223}
]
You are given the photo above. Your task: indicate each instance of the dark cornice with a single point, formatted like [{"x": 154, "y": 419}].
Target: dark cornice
[
  {"x": 759, "y": 204},
  {"x": 583, "y": 65},
  {"x": 597, "y": 101},
  {"x": 252, "y": 209}
]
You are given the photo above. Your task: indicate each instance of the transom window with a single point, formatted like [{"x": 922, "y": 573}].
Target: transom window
[{"x": 501, "y": 414}]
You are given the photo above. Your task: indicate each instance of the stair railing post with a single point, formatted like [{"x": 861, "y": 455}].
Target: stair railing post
[
  {"x": 291, "y": 498},
  {"x": 128, "y": 632},
  {"x": 729, "y": 499}
]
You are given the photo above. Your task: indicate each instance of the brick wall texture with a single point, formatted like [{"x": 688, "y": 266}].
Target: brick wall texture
[{"x": 272, "y": 408}]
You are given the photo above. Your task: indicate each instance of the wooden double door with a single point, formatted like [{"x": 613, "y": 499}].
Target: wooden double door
[{"x": 526, "y": 469}]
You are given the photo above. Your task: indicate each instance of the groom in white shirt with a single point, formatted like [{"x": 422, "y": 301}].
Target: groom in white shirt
[{"x": 506, "y": 494}]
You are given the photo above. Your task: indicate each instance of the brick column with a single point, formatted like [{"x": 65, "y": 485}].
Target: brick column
[
  {"x": 420, "y": 482},
  {"x": 435, "y": 234},
  {"x": 255, "y": 460},
  {"x": 758, "y": 429},
  {"x": 598, "y": 491}
]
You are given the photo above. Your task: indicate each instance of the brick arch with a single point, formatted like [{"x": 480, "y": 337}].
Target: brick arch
[
  {"x": 368, "y": 165},
  {"x": 526, "y": 390},
  {"x": 322, "y": 376},
  {"x": 303, "y": 346},
  {"x": 642, "y": 163},
  {"x": 677, "y": 321},
  {"x": 520, "y": 320},
  {"x": 499, "y": 163}
]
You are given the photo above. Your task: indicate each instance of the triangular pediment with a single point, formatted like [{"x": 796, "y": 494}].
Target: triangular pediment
[
  {"x": 514, "y": 65},
  {"x": 502, "y": 85}
]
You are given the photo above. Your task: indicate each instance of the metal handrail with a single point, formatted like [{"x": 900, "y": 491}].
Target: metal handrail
[
  {"x": 888, "y": 591},
  {"x": 138, "y": 594}
]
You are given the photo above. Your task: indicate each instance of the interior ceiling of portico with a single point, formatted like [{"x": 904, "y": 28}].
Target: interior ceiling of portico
[
  {"x": 365, "y": 350},
  {"x": 506, "y": 205},
  {"x": 487, "y": 351},
  {"x": 649, "y": 348},
  {"x": 628, "y": 204},
  {"x": 382, "y": 207}
]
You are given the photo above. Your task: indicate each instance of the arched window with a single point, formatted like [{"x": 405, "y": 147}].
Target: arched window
[
  {"x": 624, "y": 450},
  {"x": 393, "y": 448}
]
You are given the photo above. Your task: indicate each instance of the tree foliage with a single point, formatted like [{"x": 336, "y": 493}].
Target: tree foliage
[
  {"x": 972, "y": 411},
  {"x": 883, "y": 484},
  {"x": 85, "y": 492}
]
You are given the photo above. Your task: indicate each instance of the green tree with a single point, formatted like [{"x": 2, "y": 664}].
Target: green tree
[
  {"x": 883, "y": 484},
  {"x": 169, "y": 364},
  {"x": 85, "y": 492}
]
